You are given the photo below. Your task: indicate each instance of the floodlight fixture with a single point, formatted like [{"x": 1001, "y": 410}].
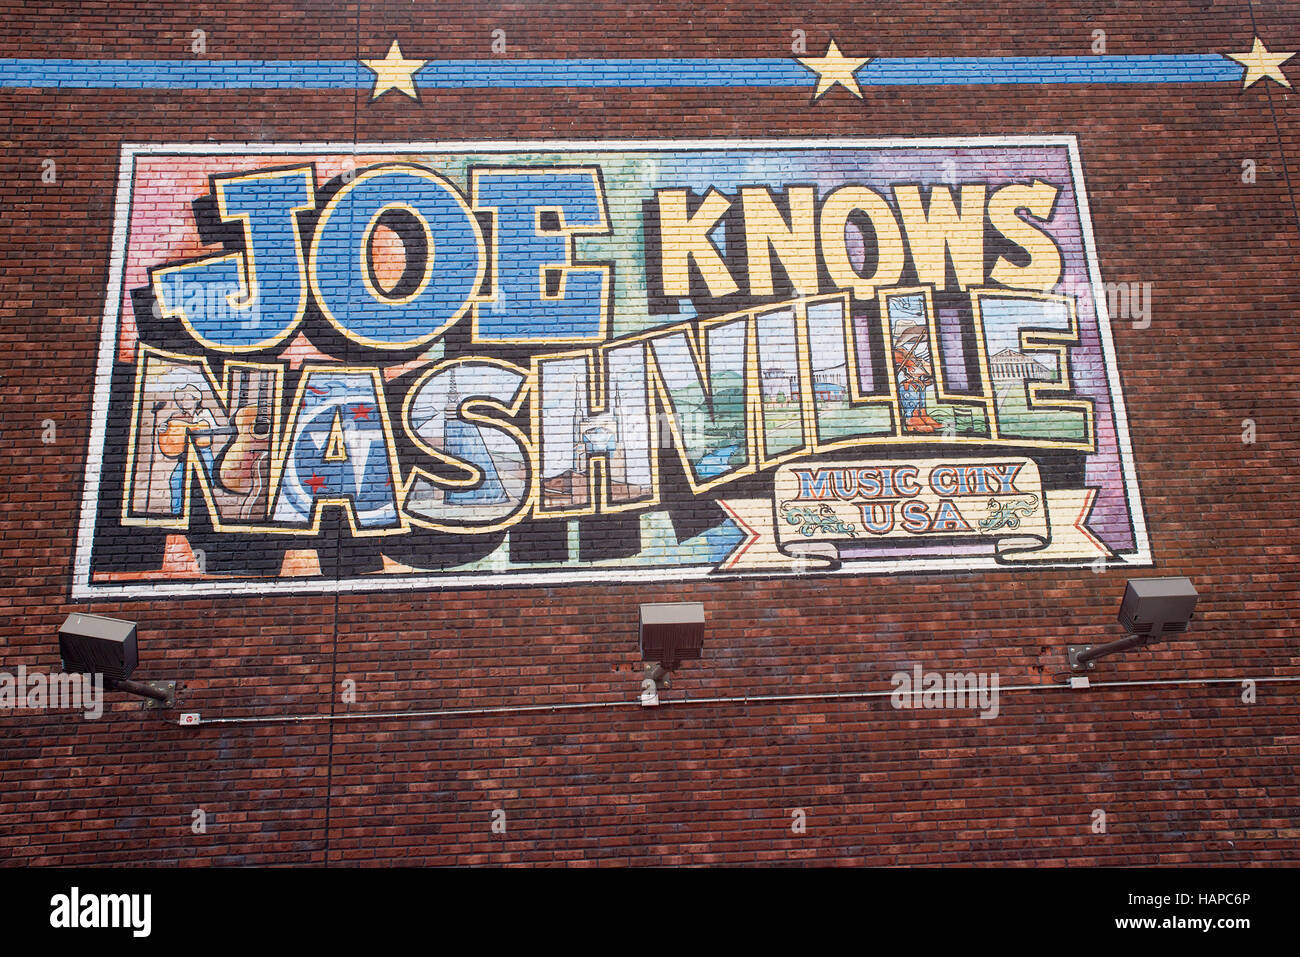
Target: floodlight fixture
[
  {"x": 671, "y": 632},
  {"x": 94, "y": 644},
  {"x": 1151, "y": 609}
]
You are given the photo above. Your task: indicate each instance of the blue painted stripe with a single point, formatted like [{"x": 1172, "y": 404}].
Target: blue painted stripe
[
  {"x": 614, "y": 73},
  {"x": 466, "y": 74},
  {"x": 1160, "y": 68},
  {"x": 185, "y": 74}
]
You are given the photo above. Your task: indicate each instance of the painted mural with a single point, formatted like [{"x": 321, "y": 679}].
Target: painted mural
[{"x": 424, "y": 365}]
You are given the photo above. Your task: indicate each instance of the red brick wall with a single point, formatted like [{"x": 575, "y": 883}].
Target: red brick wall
[{"x": 1184, "y": 772}]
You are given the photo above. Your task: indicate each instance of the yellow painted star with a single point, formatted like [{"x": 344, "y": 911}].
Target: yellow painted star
[
  {"x": 394, "y": 72},
  {"x": 1259, "y": 63},
  {"x": 835, "y": 68}
]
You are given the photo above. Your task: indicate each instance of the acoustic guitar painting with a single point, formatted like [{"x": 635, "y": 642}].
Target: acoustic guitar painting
[
  {"x": 245, "y": 465},
  {"x": 240, "y": 449}
]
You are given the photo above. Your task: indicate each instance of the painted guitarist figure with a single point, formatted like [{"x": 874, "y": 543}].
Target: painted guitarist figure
[
  {"x": 914, "y": 378},
  {"x": 191, "y": 417}
]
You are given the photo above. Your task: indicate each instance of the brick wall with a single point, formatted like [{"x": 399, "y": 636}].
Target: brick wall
[{"x": 1185, "y": 773}]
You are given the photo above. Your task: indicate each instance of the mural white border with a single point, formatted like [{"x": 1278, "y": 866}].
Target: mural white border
[{"x": 83, "y": 588}]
